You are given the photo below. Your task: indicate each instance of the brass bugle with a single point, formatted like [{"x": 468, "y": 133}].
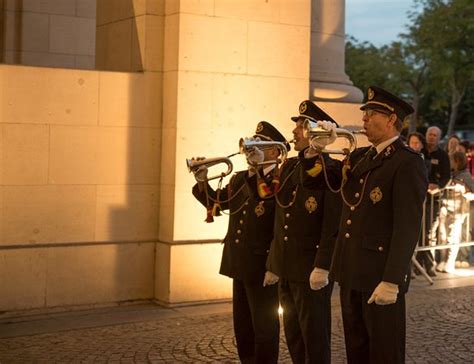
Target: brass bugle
[
  {"x": 312, "y": 131},
  {"x": 194, "y": 165},
  {"x": 246, "y": 146}
]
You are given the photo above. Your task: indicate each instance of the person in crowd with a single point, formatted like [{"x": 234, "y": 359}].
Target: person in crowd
[
  {"x": 246, "y": 246},
  {"x": 438, "y": 176},
  {"x": 383, "y": 190},
  {"x": 306, "y": 221},
  {"x": 453, "y": 213},
  {"x": 452, "y": 144}
]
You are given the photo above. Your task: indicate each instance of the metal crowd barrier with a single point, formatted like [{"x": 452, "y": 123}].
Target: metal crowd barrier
[{"x": 446, "y": 209}]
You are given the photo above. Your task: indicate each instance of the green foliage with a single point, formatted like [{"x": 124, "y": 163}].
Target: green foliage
[{"x": 432, "y": 64}]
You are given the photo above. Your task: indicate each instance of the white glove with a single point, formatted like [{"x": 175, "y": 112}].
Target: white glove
[
  {"x": 321, "y": 142},
  {"x": 384, "y": 294},
  {"x": 318, "y": 278},
  {"x": 270, "y": 278},
  {"x": 255, "y": 157}
]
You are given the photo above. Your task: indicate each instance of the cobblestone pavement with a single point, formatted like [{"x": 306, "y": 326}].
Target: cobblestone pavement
[{"x": 440, "y": 329}]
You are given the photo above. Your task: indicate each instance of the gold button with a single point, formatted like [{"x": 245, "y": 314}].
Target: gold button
[
  {"x": 294, "y": 193},
  {"x": 380, "y": 248},
  {"x": 268, "y": 251},
  {"x": 347, "y": 235},
  {"x": 246, "y": 203},
  {"x": 285, "y": 227},
  {"x": 357, "y": 194},
  {"x": 348, "y": 222},
  {"x": 287, "y": 214},
  {"x": 352, "y": 208},
  {"x": 361, "y": 181},
  {"x": 317, "y": 246},
  {"x": 241, "y": 222},
  {"x": 237, "y": 241},
  {"x": 244, "y": 212},
  {"x": 285, "y": 238},
  {"x": 239, "y": 231}
]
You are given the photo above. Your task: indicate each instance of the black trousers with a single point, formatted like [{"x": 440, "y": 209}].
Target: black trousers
[
  {"x": 256, "y": 323},
  {"x": 307, "y": 321},
  {"x": 373, "y": 333}
]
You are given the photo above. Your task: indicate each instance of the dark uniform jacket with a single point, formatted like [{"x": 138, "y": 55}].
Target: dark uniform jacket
[
  {"x": 306, "y": 222},
  {"x": 381, "y": 218},
  {"x": 439, "y": 170},
  {"x": 250, "y": 229}
]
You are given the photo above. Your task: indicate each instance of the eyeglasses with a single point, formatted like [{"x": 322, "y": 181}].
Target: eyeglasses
[{"x": 370, "y": 112}]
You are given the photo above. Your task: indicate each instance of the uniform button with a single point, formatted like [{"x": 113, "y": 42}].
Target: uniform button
[
  {"x": 361, "y": 181},
  {"x": 352, "y": 208},
  {"x": 317, "y": 246},
  {"x": 244, "y": 212},
  {"x": 285, "y": 238},
  {"x": 347, "y": 235},
  {"x": 294, "y": 193},
  {"x": 268, "y": 251},
  {"x": 241, "y": 222},
  {"x": 239, "y": 231},
  {"x": 287, "y": 214},
  {"x": 348, "y": 222},
  {"x": 357, "y": 194},
  {"x": 380, "y": 248},
  {"x": 246, "y": 203},
  {"x": 237, "y": 241},
  {"x": 285, "y": 227}
]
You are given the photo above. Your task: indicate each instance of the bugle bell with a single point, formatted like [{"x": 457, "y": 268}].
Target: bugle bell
[
  {"x": 194, "y": 165},
  {"x": 314, "y": 132},
  {"x": 247, "y": 145}
]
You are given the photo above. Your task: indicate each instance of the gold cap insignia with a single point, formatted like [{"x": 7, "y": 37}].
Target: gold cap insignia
[
  {"x": 376, "y": 195},
  {"x": 259, "y": 209},
  {"x": 259, "y": 128},
  {"x": 311, "y": 204},
  {"x": 303, "y": 107},
  {"x": 370, "y": 94}
]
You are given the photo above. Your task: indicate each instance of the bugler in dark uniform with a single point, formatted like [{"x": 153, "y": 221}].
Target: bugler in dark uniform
[
  {"x": 306, "y": 223},
  {"x": 383, "y": 193},
  {"x": 246, "y": 247}
]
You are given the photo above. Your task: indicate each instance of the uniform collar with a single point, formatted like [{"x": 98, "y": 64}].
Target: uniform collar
[{"x": 385, "y": 144}]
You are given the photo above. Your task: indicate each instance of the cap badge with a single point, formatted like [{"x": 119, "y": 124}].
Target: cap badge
[
  {"x": 303, "y": 107},
  {"x": 370, "y": 94},
  {"x": 311, "y": 204},
  {"x": 376, "y": 195},
  {"x": 259, "y": 209},
  {"x": 259, "y": 128}
]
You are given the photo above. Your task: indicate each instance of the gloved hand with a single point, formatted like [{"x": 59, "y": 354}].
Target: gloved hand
[
  {"x": 384, "y": 294},
  {"x": 270, "y": 278},
  {"x": 320, "y": 143},
  {"x": 318, "y": 278},
  {"x": 255, "y": 157},
  {"x": 201, "y": 174}
]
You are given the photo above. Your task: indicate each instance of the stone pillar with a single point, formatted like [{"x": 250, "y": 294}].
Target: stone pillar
[{"x": 329, "y": 81}]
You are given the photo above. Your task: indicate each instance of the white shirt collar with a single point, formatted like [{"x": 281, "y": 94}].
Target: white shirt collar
[
  {"x": 385, "y": 144},
  {"x": 266, "y": 170}
]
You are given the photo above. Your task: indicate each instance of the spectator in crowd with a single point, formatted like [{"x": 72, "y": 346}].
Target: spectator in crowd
[
  {"x": 438, "y": 177},
  {"x": 453, "y": 213},
  {"x": 452, "y": 144}
]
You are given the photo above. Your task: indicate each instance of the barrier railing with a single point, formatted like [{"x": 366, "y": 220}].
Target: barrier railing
[{"x": 446, "y": 226}]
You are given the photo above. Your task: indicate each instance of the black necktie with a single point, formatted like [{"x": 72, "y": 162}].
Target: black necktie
[{"x": 367, "y": 159}]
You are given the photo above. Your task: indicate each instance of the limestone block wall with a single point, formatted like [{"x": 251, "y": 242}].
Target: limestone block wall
[
  {"x": 54, "y": 33},
  {"x": 227, "y": 65},
  {"x": 79, "y": 186}
]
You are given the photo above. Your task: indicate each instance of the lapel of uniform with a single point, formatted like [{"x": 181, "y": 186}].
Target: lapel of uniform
[{"x": 377, "y": 162}]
